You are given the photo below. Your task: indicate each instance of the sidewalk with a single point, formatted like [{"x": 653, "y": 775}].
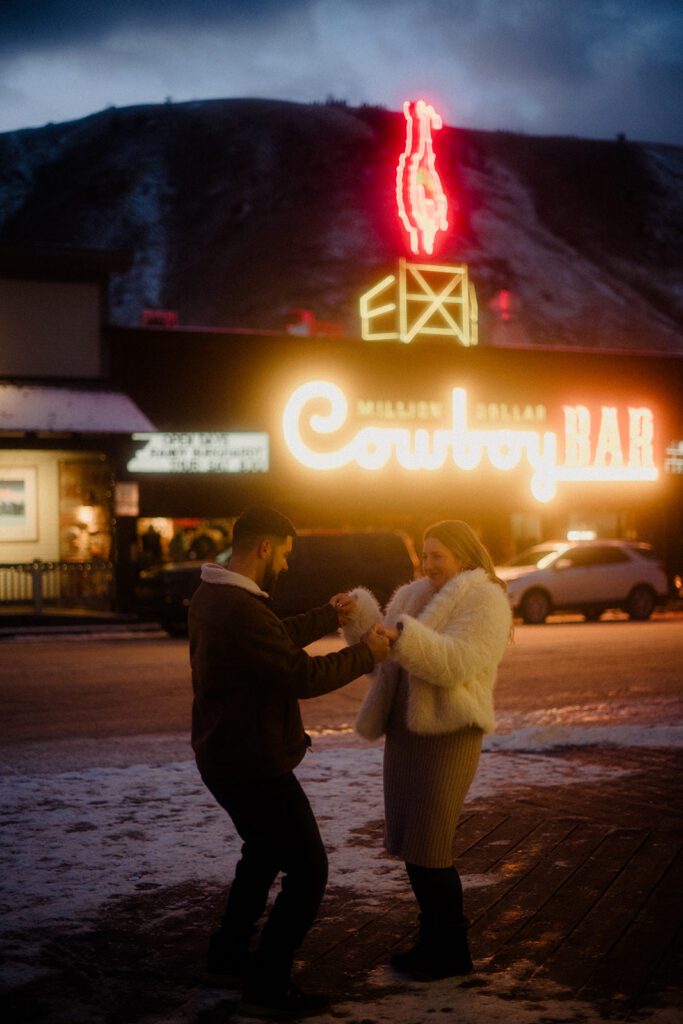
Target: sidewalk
[
  {"x": 571, "y": 862},
  {"x": 17, "y": 622}
]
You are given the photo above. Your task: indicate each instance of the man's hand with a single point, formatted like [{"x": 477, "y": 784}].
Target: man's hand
[
  {"x": 377, "y": 642},
  {"x": 391, "y": 633},
  {"x": 343, "y": 604}
]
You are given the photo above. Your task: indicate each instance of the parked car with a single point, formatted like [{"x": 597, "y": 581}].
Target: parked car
[
  {"x": 587, "y": 577},
  {"x": 322, "y": 563}
]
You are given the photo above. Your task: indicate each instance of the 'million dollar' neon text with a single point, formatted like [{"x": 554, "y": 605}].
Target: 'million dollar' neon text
[{"x": 586, "y": 456}]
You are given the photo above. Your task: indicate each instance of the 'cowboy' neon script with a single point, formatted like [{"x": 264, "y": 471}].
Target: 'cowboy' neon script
[{"x": 606, "y": 447}]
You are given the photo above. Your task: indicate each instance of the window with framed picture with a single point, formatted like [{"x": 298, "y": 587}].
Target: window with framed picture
[{"x": 18, "y": 503}]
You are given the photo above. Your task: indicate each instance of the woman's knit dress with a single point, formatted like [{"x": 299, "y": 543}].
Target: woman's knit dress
[{"x": 426, "y": 779}]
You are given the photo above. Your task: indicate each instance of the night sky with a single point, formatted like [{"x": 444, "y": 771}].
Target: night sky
[{"x": 592, "y": 68}]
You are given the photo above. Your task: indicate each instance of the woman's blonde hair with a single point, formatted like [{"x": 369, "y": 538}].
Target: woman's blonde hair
[{"x": 462, "y": 541}]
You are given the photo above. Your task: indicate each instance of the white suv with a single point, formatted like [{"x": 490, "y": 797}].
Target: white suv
[{"x": 588, "y": 577}]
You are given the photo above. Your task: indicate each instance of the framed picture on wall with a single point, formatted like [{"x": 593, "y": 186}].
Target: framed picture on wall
[{"x": 18, "y": 505}]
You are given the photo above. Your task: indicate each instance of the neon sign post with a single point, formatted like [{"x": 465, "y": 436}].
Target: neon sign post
[{"x": 579, "y": 455}]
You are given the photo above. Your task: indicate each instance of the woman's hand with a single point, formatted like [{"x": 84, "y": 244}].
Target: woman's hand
[{"x": 344, "y": 605}]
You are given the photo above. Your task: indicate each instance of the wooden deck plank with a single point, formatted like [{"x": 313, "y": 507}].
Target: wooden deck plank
[
  {"x": 512, "y": 851},
  {"x": 635, "y": 959},
  {"x": 545, "y": 936},
  {"x": 636, "y": 799},
  {"x": 518, "y": 907},
  {"x": 601, "y": 929},
  {"x": 664, "y": 986},
  {"x": 474, "y": 827},
  {"x": 342, "y": 961}
]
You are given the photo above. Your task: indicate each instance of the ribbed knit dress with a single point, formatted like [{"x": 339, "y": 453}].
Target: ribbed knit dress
[{"x": 426, "y": 780}]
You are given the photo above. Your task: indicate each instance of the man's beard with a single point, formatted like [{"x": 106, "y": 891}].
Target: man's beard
[{"x": 269, "y": 577}]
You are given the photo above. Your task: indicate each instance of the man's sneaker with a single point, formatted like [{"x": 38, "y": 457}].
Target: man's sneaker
[{"x": 292, "y": 1004}]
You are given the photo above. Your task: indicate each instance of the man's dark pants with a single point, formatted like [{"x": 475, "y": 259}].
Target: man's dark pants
[{"x": 274, "y": 819}]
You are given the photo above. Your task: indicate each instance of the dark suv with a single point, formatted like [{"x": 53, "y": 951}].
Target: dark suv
[{"x": 322, "y": 563}]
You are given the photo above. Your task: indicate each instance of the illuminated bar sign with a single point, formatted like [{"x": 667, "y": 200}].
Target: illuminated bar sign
[
  {"x": 201, "y": 453},
  {"x": 607, "y": 446}
]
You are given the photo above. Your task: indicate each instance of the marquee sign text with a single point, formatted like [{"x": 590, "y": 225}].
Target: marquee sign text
[{"x": 201, "y": 453}]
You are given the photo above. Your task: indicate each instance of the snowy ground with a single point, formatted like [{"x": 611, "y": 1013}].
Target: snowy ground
[
  {"x": 76, "y": 839},
  {"x": 72, "y": 840}
]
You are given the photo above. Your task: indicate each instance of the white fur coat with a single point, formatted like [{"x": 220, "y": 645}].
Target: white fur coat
[{"x": 450, "y": 645}]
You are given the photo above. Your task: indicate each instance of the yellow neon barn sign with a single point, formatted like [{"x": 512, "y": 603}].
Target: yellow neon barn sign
[{"x": 422, "y": 299}]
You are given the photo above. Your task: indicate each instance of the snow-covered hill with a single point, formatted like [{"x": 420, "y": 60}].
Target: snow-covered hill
[{"x": 237, "y": 211}]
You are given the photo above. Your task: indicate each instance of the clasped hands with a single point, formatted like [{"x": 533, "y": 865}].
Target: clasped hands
[{"x": 379, "y": 638}]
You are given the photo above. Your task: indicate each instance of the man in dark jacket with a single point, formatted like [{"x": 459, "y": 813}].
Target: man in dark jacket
[{"x": 249, "y": 670}]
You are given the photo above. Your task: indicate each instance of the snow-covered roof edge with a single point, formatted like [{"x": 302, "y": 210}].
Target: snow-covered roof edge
[{"x": 29, "y": 407}]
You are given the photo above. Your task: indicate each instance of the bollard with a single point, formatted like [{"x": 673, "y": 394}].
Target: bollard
[{"x": 37, "y": 578}]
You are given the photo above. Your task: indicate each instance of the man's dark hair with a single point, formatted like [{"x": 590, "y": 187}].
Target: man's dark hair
[{"x": 259, "y": 522}]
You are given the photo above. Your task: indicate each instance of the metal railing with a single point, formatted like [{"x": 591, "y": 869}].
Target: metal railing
[{"x": 57, "y": 584}]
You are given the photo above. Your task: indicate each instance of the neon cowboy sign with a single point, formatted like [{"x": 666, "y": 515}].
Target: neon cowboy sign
[
  {"x": 421, "y": 200},
  {"x": 610, "y": 447}
]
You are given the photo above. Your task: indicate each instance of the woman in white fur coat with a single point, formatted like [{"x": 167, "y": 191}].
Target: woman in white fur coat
[{"x": 433, "y": 701}]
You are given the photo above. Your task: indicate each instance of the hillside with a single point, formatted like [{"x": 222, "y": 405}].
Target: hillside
[{"x": 239, "y": 210}]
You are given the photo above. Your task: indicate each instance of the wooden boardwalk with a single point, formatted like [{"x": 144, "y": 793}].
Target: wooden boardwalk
[{"x": 585, "y": 897}]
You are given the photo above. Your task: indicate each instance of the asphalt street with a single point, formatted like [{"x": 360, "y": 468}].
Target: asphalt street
[{"x": 61, "y": 696}]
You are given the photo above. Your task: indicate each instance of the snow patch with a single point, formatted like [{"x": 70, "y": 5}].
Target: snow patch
[
  {"x": 553, "y": 736},
  {"x": 75, "y": 839}
]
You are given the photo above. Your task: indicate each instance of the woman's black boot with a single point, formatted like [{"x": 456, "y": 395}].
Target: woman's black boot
[{"x": 441, "y": 951}]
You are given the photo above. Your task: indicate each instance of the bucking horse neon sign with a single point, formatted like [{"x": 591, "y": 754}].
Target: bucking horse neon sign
[{"x": 422, "y": 202}]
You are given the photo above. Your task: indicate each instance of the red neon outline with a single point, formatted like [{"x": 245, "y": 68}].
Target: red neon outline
[{"x": 422, "y": 204}]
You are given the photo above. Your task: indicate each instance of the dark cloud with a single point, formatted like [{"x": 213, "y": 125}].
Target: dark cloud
[
  {"x": 588, "y": 67},
  {"x": 51, "y": 23},
  {"x": 581, "y": 67}
]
